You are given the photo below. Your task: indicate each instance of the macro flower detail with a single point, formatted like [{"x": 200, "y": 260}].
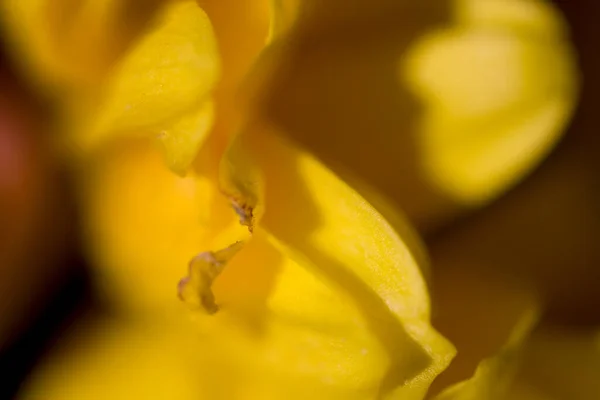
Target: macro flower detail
[
  {"x": 305, "y": 207},
  {"x": 160, "y": 87},
  {"x": 498, "y": 88},
  {"x": 236, "y": 257},
  {"x": 311, "y": 286}
]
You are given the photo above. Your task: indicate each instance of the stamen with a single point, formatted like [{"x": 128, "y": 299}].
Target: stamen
[{"x": 196, "y": 288}]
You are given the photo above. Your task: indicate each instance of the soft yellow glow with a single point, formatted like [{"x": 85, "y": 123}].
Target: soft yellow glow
[
  {"x": 67, "y": 45},
  {"x": 498, "y": 89},
  {"x": 108, "y": 84},
  {"x": 144, "y": 224}
]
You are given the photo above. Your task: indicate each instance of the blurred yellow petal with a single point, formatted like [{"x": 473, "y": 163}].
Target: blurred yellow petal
[
  {"x": 109, "y": 84},
  {"x": 116, "y": 360},
  {"x": 72, "y": 44},
  {"x": 169, "y": 74},
  {"x": 559, "y": 364},
  {"x": 498, "y": 93},
  {"x": 499, "y": 128}
]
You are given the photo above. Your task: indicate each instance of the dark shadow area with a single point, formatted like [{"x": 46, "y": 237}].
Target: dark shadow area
[
  {"x": 545, "y": 231},
  {"x": 64, "y": 306},
  {"x": 44, "y": 284}
]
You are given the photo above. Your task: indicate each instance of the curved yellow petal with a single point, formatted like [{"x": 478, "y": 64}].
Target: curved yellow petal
[
  {"x": 325, "y": 225},
  {"x": 296, "y": 333},
  {"x": 498, "y": 91},
  {"x": 162, "y": 84}
]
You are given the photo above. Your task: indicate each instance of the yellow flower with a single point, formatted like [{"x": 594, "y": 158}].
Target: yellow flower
[
  {"x": 320, "y": 296},
  {"x": 295, "y": 283}
]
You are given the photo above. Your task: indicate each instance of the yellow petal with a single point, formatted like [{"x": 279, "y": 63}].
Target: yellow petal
[
  {"x": 319, "y": 219},
  {"x": 169, "y": 74},
  {"x": 497, "y": 92},
  {"x": 295, "y": 332},
  {"x": 69, "y": 45}
]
